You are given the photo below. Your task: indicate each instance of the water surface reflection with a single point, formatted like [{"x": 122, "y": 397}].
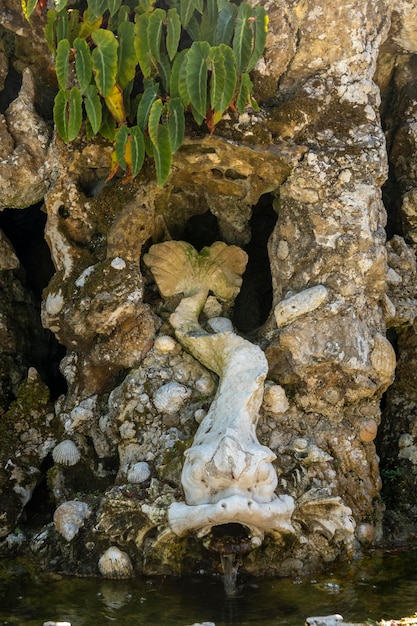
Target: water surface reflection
[{"x": 382, "y": 585}]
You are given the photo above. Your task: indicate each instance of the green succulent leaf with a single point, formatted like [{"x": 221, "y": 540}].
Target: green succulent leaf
[
  {"x": 61, "y": 25},
  {"x": 137, "y": 150},
  {"x": 68, "y": 113},
  {"x": 176, "y": 123},
  {"x": 154, "y": 119},
  {"x": 187, "y": 8},
  {"x": 175, "y": 74},
  {"x": 218, "y": 76},
  {"x": 209, "y": 22},
  {"x": 197, "y": 116},
  {"x": 89, "y": 24},
  {"x": 196, "y": 75},
  {"x": 51, "y": 17},
  {"x": 221, "y": 4},
  {"x": 75, "y": 113},
  {"x": 146, "y": 5},
  {"x": 97, "y": 7},
  {"x": 182, "y": 81},
  {"x": 164, "y": 71},
  {"x": 61, "y": 114},
  {"x": 83, "y": 66},
  {"x": 162, "y": 155},
  {"x": 242, "y": 40},
  {"x": 144, "y": 107},
  {"x": 173, "y": 33},
  {"x": 156, "y": 21},
  {"x": 221, "y": 104},
  {"x": 28, "y": 6},
  {"x": 193, "y": 28},
  {"x": 61, "y": 64},
  {"x": 123, "y": 15},
  {"x": 120, "y": 142},
  {"x": 113, "y": 6},
  {"x": 260, "y": 28},
  {"x": 126, "y": 67},
  {"x": 225, "y": 24},
  {"x": 244, "y": 94},
  {"x": 141, "y": 44},
  {"x": 108, "y": 125},
  {"x": 104, "y": 59},
  {"x": 73, "y": 25},
  {"x": 93, "y": 108}
]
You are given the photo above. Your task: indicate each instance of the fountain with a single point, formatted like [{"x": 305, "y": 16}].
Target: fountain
[{"x": 228, "y": 477}]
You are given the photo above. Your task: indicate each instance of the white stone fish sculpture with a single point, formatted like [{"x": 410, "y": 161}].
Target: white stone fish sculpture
[{"x": 228, "y": 476}]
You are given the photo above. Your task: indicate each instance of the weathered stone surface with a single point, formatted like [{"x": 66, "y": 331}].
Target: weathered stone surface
[
  {"x": 25, "y": 147},
  {"x": 337, "y": 119}
]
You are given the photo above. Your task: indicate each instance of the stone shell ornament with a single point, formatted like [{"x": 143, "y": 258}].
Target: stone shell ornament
[
  {"x": 115, "y": 564},
  {"x": 165, "y": 344},
  {"x": 170, "y": 397},
  {"x": 139, "y": 472},
  {"x": 69, "y": 517},
  {"x": 275, "y": 399},
  {"x": 66, "y": 453}
]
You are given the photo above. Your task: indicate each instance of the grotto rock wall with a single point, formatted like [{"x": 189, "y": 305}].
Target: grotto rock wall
[{"x": 318, "y": 187}]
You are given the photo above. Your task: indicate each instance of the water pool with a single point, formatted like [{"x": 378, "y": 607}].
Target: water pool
[{"x": 381, "y": 585}]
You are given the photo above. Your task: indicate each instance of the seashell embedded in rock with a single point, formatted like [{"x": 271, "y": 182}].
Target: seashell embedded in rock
[
  {"x": 368, "y": 430},
  {"x": 139, "y": 472},
  {"x": 115, "y": 563},
  {"x": 220, "y": 324},
  {"x": 275, "y": 399},
  {"x": 205, "y": 385},
  {"x": 66, "y": 453},
  {"x": 300, "y": 304},
  {"x": 383, "y": 359},
  {"x": 69, "y": 517},
  {"x": 165, "y": 343},
  {"x": 170, "y": 397},
  {"x": 300, "y": 444}
]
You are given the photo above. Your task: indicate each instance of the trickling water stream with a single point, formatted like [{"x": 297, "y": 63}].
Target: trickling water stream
[{"x": 230, "y": 568}]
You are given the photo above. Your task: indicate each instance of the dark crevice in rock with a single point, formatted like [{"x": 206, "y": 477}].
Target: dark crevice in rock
[
  {"x": 25, "y": 230},
  {"x": 202, "y": 230},
  {"x": 253, "y": 303},
  {"x": 40, "y": 508},
  {"x": 12, "y": 85},
  {"x": 391, "y": 197}
]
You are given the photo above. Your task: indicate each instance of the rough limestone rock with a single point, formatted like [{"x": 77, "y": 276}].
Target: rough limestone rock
[{"x": 318, "y": 191}]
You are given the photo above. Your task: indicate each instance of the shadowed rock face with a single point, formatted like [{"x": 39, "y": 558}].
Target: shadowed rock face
[{"x": 334, "y": 136}]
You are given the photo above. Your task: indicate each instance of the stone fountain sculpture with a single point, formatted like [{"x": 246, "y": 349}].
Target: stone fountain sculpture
[{"x": 228, "y": 476}]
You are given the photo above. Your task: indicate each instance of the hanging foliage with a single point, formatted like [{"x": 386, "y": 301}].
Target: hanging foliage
[{"x": 180, "y": 56}]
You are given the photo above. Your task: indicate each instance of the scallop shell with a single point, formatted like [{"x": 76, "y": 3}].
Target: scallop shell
[
  {"x": 66, "y": 453},
  {"x": 69, "y": 517},
  {"x": 139, "y": 472},
  {"x": 115, "y": 563},
  {"x": 383, "y": 358},
  {"x": 164, "y": 344},
  {"x": 170, "y": 397}
]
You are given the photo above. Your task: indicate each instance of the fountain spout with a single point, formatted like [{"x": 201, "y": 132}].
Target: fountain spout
[{"x": 228, "y": 476}]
